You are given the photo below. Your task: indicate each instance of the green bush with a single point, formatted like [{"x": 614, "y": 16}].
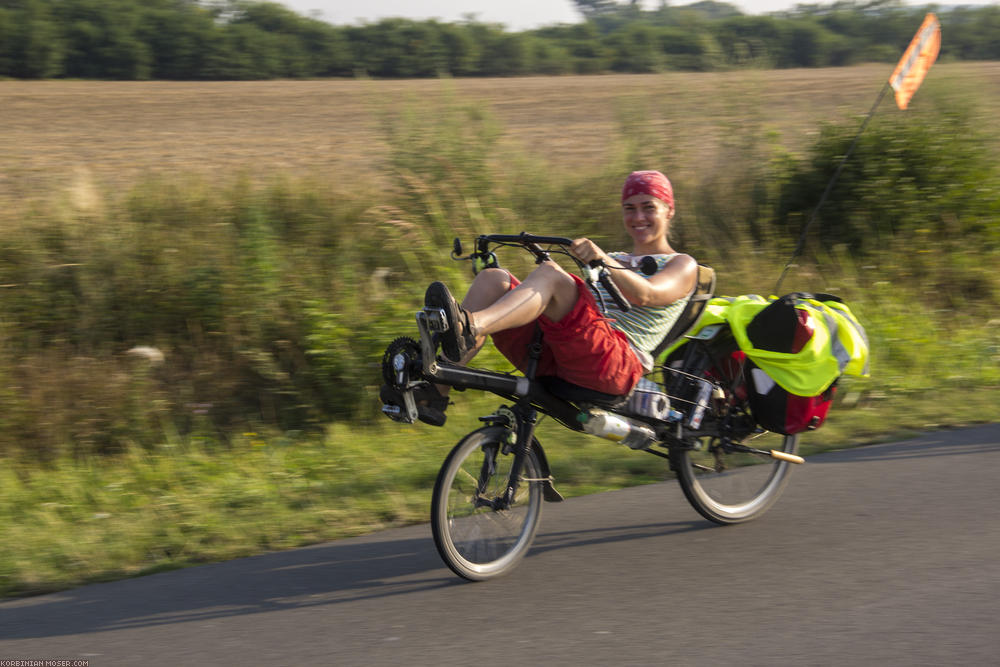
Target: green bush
[
  {"x": 906, "y": 174},
  {"x": 919, "y": 197}
]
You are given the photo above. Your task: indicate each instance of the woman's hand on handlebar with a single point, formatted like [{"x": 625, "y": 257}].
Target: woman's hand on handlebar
[
  {"x": 597, "y": 260},
  {"x": 587, "y": 251}
]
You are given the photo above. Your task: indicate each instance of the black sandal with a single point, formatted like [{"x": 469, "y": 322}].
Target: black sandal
[{"x": 461, "y": 335}]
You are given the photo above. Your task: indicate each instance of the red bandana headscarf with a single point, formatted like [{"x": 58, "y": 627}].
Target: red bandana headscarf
[{"x": 648, "y": 183}]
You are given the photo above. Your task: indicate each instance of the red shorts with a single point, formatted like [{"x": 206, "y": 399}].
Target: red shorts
[{"x": 581, "y": 348}]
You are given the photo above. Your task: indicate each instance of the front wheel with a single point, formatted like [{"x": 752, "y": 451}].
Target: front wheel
[
  {"x": 732, "y": 487},
  {"x": 476, "y": 537}
]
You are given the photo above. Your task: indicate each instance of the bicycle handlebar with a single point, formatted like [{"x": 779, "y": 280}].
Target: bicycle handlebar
[
  {"x": 531, "y": 242},
  {"x": 525, "y": 237}
]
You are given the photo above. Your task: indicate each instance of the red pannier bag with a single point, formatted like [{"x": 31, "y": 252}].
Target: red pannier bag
[
  {"x": 780, "y": 411},
  {"x": 781, "y": 327}
]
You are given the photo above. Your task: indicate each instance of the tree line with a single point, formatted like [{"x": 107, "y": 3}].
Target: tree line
[{"x": 247, "y": 39}]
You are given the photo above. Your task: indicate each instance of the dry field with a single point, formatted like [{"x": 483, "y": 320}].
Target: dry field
[{"x": 55, "y": 132}]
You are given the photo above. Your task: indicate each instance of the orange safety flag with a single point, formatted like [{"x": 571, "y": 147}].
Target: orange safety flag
[{"x": 916, "y": 60}]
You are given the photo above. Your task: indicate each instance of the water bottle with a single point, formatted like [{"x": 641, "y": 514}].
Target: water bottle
[
  {"x": 617, "y": 428},
  {"x": 700, "y": 403},
  {"x": 649, "y": 400}
]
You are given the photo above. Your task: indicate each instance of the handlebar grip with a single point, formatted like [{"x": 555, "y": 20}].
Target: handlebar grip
[{"x": 604, "y": 277}]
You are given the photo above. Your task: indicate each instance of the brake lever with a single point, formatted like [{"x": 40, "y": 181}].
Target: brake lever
[{"x": 482, "y": 257}]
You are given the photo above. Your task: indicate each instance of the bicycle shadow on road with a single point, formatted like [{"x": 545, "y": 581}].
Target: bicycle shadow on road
[
  {"x": 397, "y": 562},
  {"x": 581, "y": 538},
  {"x": 347, "y": 570}
]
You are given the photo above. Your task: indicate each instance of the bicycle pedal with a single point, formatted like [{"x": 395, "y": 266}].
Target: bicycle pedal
[
  {"x": 396, "y": 413},
  {"x": 437, "y": 319}
]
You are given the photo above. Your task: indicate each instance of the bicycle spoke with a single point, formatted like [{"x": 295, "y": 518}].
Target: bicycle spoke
[
  {"x": 475, "y": 539},
  {"x": 729, "y": 484}
]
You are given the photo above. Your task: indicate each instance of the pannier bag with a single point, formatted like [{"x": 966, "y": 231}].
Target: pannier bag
[
  {"x": 781, "y": 411},
  {"x": 796, "y": 347}
]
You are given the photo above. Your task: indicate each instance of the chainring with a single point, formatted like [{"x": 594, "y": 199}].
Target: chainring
[{"x": 401, "y": 362}]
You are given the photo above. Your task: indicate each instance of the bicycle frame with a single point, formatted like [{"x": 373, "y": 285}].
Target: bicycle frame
[
  {"x": 482, "y": 524},
  {"x": 531, "y": 397}
]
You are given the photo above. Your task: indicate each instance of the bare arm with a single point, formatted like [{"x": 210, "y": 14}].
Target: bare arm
[{"x": 674, "y": 281}]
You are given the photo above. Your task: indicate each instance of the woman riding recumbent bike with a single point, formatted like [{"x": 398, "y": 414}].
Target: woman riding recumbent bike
[{"x": 693, "y": 409}]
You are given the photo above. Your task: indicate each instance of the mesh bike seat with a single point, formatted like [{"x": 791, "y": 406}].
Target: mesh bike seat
[{"x": 574, "y": 393}]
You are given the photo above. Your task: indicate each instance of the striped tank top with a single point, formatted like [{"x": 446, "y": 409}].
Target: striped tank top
[{"x": 644, "y": 326}]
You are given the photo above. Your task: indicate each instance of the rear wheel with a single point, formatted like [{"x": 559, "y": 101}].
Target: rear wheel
[
  {"x": 732, "y": 487},
  {"x": 476, "y": 538}
]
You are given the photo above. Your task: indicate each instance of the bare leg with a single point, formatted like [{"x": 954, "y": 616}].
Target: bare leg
[
  {"x": 548, "y": 291},
  {"x": 493, "y": 306},
  {"x": 489, "y": 286}
]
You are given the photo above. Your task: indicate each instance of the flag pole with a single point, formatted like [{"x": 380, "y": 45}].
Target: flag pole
[
  {"x": 829, "y": 186},
  {"x": 905, "y": 79}
]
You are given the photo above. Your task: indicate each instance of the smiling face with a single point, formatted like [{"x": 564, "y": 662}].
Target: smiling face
[{"x": 647, "y": 221}]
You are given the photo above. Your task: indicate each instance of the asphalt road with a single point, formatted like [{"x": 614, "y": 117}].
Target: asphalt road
[{"x": 888, "y": 554}]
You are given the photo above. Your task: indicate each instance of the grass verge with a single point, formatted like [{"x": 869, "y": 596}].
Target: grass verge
[{"x": 82, "y": 521}]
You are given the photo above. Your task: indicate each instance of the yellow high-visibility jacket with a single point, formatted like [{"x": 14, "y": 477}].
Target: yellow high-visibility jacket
[{"x": 838, "y": 346}]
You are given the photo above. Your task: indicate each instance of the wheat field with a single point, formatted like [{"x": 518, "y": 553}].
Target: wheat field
[{"x": 60, "y": 133}]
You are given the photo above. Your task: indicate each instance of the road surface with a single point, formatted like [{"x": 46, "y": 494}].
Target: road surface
[{"x": 886, "y": 554}]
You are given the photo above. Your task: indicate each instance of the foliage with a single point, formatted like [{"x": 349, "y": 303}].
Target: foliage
[
  {"x": 248, "y": 39},
  {"x": 270, "y": 304},
  {"x": 923, "y": 184},
  {"x": 79, "y": 521}
]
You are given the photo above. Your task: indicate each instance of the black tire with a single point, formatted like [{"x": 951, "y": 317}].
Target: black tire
[
  {"x": 731, "y": 487},
  {"x": 479, "y": 542}
]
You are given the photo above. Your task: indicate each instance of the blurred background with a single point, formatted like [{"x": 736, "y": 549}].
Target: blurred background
[{"x": 216, "y": 215}]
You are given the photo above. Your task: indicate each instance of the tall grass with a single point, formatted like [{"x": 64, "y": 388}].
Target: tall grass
[{"x": 271, "y": 303}]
